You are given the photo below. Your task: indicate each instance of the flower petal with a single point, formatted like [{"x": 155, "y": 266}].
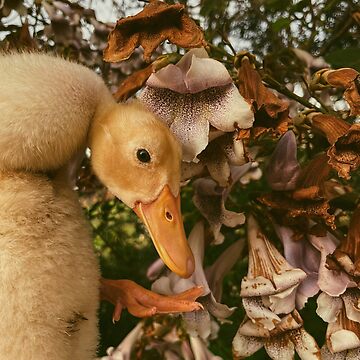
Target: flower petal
[
  {"x": 283, "y": 169},
  {"x": 280, "y": 348},
  {"x": 308, "y": 288},
  {"x": 205, "y": 73},
  {"x": 332, "y": 282},
  {"x": 283, "y": 302},
  {"x": 305, "y": 345},
  {"x": 328, "y": 307},
  {"x": 208, "y": 198},
  {"x": 216, "y": 309},
  {"x": 327, "y": 355},
  {"x": 343, "y": 340},
  {"x": 245, "y": 346},
  {"x": 201, "y": 351},
  {"x": 142, "y": 29},
  {"x": 123, "y": 351},
  {"x": 216, "y": 272},
  {"x": 351, "y": 299},
  {"x": 197, "y": 323},
  {"x": 259, "y": 313},
  {"x": 170, "y": 77},
  {"x": 230, "y": 110}
]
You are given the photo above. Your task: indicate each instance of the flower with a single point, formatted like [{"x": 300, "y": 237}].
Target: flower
[
  {"x": 343, "y": 313},
  {"x": 307, "y": 198},
  {"x": 198, "y": 323},
  {"x": 309, "y": 253},
  {"x": 270, "y": 286},
  {"x": 123, "y": 351},
  {"x": 283, "y": 169},
  {"x": 153, "y": 25},
  {"x": 192, "y": 95},
  {"x": 271, "y": 113},
  {"x": 345, "y": 78},
  {"x": 219, "y": 156},
  {"x": 281, "y": 342},
  {"x": 343, "y": 332},
  {"x": 210, "y": 200}
]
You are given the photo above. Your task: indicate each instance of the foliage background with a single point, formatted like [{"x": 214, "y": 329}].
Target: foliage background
[{"x": 267, "y": 28}]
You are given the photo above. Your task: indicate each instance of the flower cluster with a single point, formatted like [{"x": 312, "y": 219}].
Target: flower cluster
[{"x": 233, "y": 127}]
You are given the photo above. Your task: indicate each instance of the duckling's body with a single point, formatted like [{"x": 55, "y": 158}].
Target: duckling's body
[
  {"x": 49, "y": 288},
  {"x": 50, "y": 110},
  {"x": 49, "y": 274}
]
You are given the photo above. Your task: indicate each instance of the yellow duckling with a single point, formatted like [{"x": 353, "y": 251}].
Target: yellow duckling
[{"x": 50, "y": 110}]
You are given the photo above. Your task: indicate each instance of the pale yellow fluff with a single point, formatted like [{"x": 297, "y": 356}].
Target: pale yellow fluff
[{"x": 49, "y": 276}]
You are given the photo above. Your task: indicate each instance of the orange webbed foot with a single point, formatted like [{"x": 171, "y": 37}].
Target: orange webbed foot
[{"x": 141, "y": 302}]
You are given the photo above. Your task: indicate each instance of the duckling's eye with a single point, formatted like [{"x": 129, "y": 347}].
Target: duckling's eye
[{"x": 143, "y": 155}]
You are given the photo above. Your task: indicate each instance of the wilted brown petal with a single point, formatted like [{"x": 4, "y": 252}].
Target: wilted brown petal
[
  {"x": 156, "y": 23},
  {"x": 133, "y": 83},
  {"x": 329, "y": 126},
  {"x": 344, "y": 155},
  {"x": 349, "y": 79},
  {"x": 271, "y": 113},
  {"x": 292, "y": 208},
  {"x": 255, "y": 92}
]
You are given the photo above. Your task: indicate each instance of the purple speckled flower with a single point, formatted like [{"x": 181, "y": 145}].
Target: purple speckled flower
[{"x": 191, "y": 95}]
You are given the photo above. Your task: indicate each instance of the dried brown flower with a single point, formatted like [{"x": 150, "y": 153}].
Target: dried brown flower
[
  {"x": 344, "y": 154},
  {"x": 156, "y": 23},
  {"x": 271, "y": 113}
]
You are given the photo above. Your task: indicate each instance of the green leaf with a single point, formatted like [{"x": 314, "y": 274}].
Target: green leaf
[
  {"x": 349, "y": 57},
  {"x": 280, "y": 24}
]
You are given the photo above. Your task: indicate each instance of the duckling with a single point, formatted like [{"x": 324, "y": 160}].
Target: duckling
[{"x": 50, "y": 111}]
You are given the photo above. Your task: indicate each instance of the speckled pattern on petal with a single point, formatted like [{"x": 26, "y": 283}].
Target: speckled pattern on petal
[{"x": 189, "y": 115}]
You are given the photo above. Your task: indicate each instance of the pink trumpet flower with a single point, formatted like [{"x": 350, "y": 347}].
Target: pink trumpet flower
[{"x": 192, "y": 95}]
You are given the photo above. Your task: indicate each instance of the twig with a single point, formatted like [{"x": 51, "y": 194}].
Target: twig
[{"x": 285, "y": 91}]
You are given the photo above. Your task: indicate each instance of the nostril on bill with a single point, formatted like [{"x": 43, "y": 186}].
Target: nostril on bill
[{"x": 168, "y": 216}]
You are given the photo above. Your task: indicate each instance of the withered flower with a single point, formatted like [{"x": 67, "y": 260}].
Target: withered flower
[
  {"x": 153, "y": 25},
  {"x": 191, "y": 95},
  {"x": 307, "y": 198},
  {"x": 271, "y": 113},
  {"x": 281, "y": 342},
  {"x": 329, "y": 126},
  {"x": 344, "y": 154},
  {"x": 269, "y": 288},
  {"x": 198, "y": 323},
  {"x": 346, "y": 78}
]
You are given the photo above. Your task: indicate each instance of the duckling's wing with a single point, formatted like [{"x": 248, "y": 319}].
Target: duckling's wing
[{"x": 46, "y": 106}]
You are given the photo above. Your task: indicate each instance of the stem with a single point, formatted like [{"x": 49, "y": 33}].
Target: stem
[{"x": 285, "y": 91}]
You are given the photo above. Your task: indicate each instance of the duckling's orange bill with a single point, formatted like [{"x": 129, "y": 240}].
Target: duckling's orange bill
[{"x": 163, "y": 219}]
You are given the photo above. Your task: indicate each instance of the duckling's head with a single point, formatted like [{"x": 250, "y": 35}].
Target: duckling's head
[{"x": 138, "y": 159}]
